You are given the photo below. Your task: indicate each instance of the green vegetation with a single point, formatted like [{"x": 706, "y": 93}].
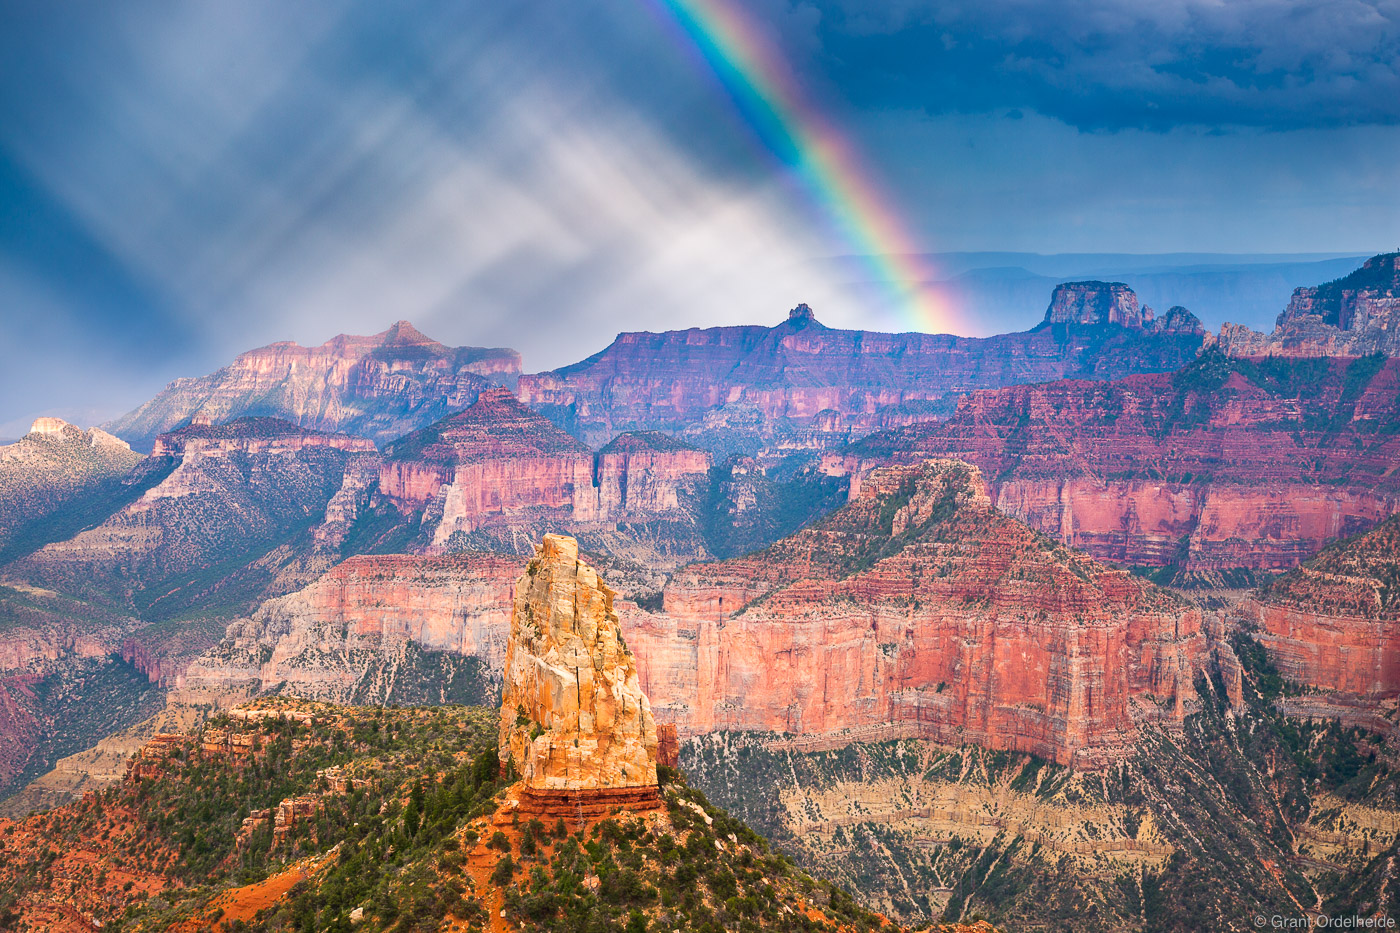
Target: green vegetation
[
  {"x": 63, "y": 702},
  {"x": 397, "y": 819},
  {"x": 783, "y": 502}
]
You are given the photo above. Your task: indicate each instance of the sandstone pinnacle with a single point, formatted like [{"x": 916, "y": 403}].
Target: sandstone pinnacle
[{"x": 573, "y": 715}]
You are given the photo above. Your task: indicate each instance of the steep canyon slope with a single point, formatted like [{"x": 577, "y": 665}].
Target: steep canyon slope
[
  {"x": 801, "y": 384},
  {"x": 1332, "y": 627},
  {"x": 1355, "y": 315},
  {"x": 1228, "y": 464},
  {"x": 917, "y": 609},
  {"x": 380, "y": 387},
  {"x": 498, "y": 475},
  {"x": 53, "y": 478}
]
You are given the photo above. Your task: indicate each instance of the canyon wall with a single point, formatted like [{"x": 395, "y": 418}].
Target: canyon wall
[
  {"x": 223, "y": 518},
  {"x": 347, "y": 636},
  {"x": 1333, "y": 624},
  {"x": 917, "y": 609},
  {"x": 499, "y": 470},
  {"x": 1226, "y": 464},
  {"x": 802, "y": 384},
  {"x": 381, "y": 387},
  {"x": 1356, "y": 315},
  {"x": 55, "y": 469}
]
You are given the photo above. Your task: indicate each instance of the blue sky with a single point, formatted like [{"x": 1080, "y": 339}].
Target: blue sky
[{"x": 180, "y": 183}]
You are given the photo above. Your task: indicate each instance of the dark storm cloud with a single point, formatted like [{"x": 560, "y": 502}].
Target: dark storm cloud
[{"x": 1112, "y": 64}]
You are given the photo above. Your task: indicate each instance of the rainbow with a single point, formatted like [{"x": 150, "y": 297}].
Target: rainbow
[{"x": 764, "y": 91}]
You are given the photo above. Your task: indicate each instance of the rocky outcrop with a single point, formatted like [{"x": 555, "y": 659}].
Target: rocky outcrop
[
  {"x": 1227, "y": 464},
  {"x": 53, "y": 471},
  {"x": 244, "y": 497},
  {"x": 802, "y": 385},
  {"x": 574, "y": 718},
  {"x": 495, "y": 460},
  {"x": 647, "y": 473},
  {"x": 380, "y": 387},
  {"x": 1334, "y": 623},
  {"x": 498, "y": 471},
  {"x": 1094, "y": 303},
  {"x": 1356, "y": 315},
  {"x": 917, "y": 609},
  {"x": 1177, "y": 320},
  {"x": 201, "y": 437},
  {"x": 348, "y": 636}
]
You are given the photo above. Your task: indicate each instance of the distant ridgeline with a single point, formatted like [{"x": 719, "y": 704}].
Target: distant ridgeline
[{"x": 802, "y": 384}]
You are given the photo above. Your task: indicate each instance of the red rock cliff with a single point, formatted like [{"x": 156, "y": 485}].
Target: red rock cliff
[
  {"x": 499, "y": 465},
  {"x": 918, "y": 609},
  {"x": 325, "y": 640},
  {"x": 1356, "y": 315},
  {"x": 1229, "y": 463},
  {"x": 1334, "y": 623},
  {"x": 774, "y": 383},
  {"x": 495, "y": 460},
  {"x": 381, "y": 386}
]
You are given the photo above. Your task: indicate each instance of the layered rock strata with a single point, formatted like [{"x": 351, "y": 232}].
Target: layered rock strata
[
  {"x": 801, "y": 384},
  {"x": 1334, "y": 623},
  {"x": 343, "y": 638},
  {"x": 243, "y": 497},
  {"x": 501, "y": 468},
  {"x": 1355, "y": 315},
  {"x": 52, "y": 469},
  {"x": 918, "y": 609},
  {"x": 381, "y": 387},
  {"x": 575, "y": 724},
  {"x": 1227, "y": 464}
]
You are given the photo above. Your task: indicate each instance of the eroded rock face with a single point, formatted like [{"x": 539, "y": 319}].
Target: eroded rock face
[
  {"x": 50, "y": 469},
  {"x": 382, "y": 386},
  {"x": 347, "y": 637},
  {"x": 229, "y": 495},
  {"x": 1094, "y": 303},
  {"x": 802, "y": 385},
  {"x": 573, "y": 714},
  {"x": 1227, "y": 464},
  {"x": 1334, "y": 623},
  {"x": 498, "y": 470},
  {"x": 918, "y": 609},
  {"x": 1356, "y": 315}
]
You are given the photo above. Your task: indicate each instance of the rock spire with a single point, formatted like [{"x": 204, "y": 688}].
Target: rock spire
[{"x": 574, "y": 720}]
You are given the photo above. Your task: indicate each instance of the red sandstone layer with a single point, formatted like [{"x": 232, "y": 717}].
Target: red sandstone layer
[
  {"x": 577, "y": 806},
  {"x": 1230, "y": 463},
  {"x": 801, "y": 377},
  {"x": 1334, "y": 623},
  {"x": 382, "y": 386},
  {"x": 917, "y": 607},
  {"x": 499, "y": 462}
]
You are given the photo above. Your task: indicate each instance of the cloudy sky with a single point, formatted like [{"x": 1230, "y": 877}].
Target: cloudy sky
[{"x": 180, "y": 182}]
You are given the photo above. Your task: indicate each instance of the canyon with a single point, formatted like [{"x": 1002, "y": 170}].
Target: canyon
[
  {"x": 1332, "y": 626},
  {"x": 802, "y": 385},
  {"x": 230, "y": 497},
  {"x": 1225, "y": 468},
  {"x": 919, "y": 610},
  {"x": 381, "y": 629},
  {"x": 498, "y": 472},
  {"x": 381, "y": 386},
  {"x": 1356, "y": 315}
]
